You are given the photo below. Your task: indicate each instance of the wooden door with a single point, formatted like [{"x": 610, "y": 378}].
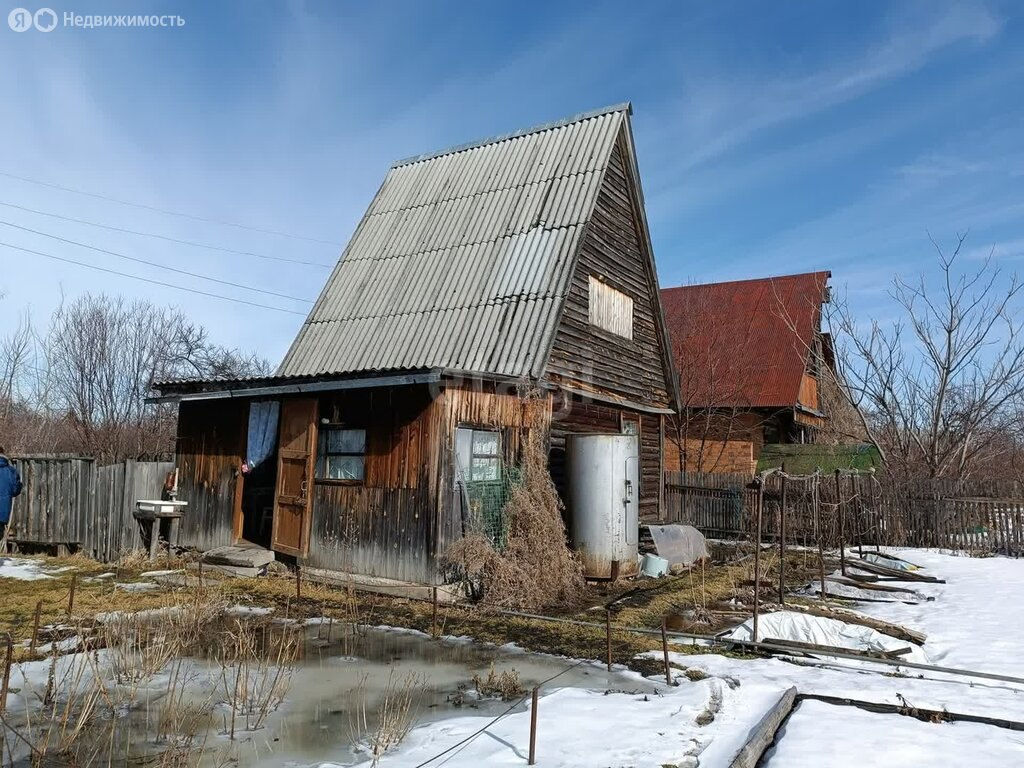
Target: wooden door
[{"x": 293, "y": 498}]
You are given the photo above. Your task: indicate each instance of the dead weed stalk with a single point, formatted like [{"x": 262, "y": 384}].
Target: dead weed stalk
[{"x": 535, "y": 569}]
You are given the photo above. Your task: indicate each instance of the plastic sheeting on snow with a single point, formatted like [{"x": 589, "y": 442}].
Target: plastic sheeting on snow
[
  {"x": 889, "y": 562},
  {"x": 679, "y": 544},
  {"x": 805, "y": 628}
]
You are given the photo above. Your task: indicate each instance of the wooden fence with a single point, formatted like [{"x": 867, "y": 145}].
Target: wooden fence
[
  {"x": 856, "y": 508},
  {"x": 73, "y": 502}
]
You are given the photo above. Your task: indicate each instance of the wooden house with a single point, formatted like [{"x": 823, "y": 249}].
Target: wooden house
[
  {"x": 489, "y": 290},
  {"x": 755, "y": 369}
]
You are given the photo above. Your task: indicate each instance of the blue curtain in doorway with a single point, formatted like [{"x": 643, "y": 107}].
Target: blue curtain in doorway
[{"x": 262, "y": 432}]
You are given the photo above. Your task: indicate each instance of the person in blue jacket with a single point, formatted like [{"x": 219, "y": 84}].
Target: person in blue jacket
[{"x": 10, "y": 486}]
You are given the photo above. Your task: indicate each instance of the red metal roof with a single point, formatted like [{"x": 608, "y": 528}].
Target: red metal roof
[{"x": 744, "y": 343}]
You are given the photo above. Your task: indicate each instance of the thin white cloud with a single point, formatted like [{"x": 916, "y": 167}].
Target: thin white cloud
[{"x": 714, "y": 115}]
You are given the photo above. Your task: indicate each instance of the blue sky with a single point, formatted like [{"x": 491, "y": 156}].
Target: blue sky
[{"x": 772, "y": 137}]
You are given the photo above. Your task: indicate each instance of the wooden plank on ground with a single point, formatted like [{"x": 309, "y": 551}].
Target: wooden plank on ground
[
  {"x": 830, "y": 649},
  {"x": 763, "y": 734},
  {"x": 895, "y": 574},
  {"x": 927, "y": 715}
]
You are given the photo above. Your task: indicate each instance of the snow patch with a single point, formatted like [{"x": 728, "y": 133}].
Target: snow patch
[{"x": 23, "y": 570}]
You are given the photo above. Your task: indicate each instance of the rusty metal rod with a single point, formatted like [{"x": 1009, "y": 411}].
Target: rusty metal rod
[
  {"x": 664, "y": 651},
  {"x": 533, "y": 725},
  {"x": 35, "y": 628},
  {"x": 433, "y": 618},
  {"x": 608, "y": 635},
  {"x": 6, "y": 686},
  {"x": 842, "y": 532},
  {"x": 782, "y": 542},
  {"x": 757, "y": 557},
  {"x": 816, "y": 496}
]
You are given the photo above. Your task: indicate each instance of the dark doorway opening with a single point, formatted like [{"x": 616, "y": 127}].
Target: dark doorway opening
[{"x": 258, "y": 503}]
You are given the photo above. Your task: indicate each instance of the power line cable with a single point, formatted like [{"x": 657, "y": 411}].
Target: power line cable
[
  {"x": 155, "y": 264},
  {"x": 148, "y": 280},
  {"x": 164, "y": 237},
  {"x": 155, "y": 209}
]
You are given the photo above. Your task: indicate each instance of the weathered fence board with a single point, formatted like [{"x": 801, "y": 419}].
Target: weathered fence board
[
  {"x": 73, "y": 502},
  {"x": 976, "y": 515}
]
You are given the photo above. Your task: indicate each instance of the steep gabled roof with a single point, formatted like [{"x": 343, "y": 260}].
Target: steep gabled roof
[
  {"x": 463, "y": 258},
  {"x": 744, "y": 344}
]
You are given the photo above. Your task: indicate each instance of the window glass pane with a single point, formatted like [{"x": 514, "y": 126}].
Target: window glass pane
[
  {"x": 346, "y": 440},
  {"x": 485, "y": 443},
  {"x": 463, "y": 452},
  {"x": 344, "y": 467},
  {"x": 484, "y": 469}
]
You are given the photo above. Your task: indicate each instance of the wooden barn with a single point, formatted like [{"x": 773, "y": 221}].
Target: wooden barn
[{"x": 489, "y": 290}]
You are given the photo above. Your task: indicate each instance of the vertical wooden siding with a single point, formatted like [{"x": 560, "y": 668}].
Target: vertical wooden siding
[
  {"x": 210, "y": 451},
  {"x": 383, "y": 526},
  {"x": 586, "y": 357}
]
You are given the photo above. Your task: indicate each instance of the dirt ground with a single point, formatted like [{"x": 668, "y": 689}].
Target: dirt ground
[{"x": 702, "y": 600}]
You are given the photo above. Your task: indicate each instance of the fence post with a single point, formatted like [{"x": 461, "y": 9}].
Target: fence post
[
  {"x": 433, "y": 620},
  {"x": 608, "y": 635},
  {"x": 782, "y": 540},
  {"x": 533, "y": 726},
  {"x": 842, "y": 530},
  {"x": 7, "y": 678},
  {"x": 816, "y": 499},
  {"x": 664, "y": 651},
  {"x": 35, "y": 628},
  {"x": 757, "y": 555}
]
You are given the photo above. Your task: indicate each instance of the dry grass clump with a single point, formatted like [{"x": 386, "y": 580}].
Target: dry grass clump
[
  {"x": 257, "y": 663},
  {"x": 394, "y": 717},
  {"x": 536, "y": 569},
  {"x": 504, "y": 685}
]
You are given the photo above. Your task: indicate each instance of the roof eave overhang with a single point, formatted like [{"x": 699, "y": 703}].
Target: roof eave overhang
[{"x": 298, "y": 388}]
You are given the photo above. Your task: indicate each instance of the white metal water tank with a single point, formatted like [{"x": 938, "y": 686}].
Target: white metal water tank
[{"x": 603, "y": 483}]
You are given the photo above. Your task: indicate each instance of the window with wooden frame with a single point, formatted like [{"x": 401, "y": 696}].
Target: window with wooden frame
[
  {"x": 341, "y": 453},
  {"x": 479, "y": 453},
  {"x": 610, "y": 310}
]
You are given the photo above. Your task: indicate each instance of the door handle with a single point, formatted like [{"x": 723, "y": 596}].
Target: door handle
[{"x": 303, "y": 488}]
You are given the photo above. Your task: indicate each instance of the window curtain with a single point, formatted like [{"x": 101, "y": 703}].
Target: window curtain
[{"x": 262, "y": 432}]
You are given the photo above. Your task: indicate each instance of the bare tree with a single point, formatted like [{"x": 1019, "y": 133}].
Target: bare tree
[
  {"x": 81, "y": 385},
  {"x": 941, "y": 385},
  {"x": 15, "y": 351}
]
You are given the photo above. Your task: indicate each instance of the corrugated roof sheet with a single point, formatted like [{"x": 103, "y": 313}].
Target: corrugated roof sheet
[
  {"x": 463, "y": 258},
  {"x": 744, "y": 344}
]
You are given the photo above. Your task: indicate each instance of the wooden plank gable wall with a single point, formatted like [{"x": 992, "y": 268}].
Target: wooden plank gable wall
[
  {"x": 590, "y": 359},
  {"x": 587, "y": 357}
]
